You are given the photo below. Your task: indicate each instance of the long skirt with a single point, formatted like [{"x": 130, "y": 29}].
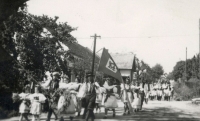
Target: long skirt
[
  {"x": 136, "y": 103},
  {"x": 36, "y": 108},
  {"x": 99, "y": 98},
  {"x": 23, "y": 108},
  {"x": 66, "y": 110},
  {"x": 111, "y": 102},
  {"x": 125, "y": 98},
  {"x": 77, "y": 102}
]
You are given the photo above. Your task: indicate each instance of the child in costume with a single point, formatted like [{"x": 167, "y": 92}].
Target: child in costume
[
  {"x": 36, "y": 100},
  {"x": 136, "y": 104},
  {"x": 24, "y": 107}
]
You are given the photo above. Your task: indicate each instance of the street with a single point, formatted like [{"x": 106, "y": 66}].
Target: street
[{"x": 153, "y": 111}]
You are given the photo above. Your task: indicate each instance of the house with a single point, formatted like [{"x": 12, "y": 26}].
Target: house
[
  {"x": 82, "y": 57},
  {"x": 124, "y": 62}
]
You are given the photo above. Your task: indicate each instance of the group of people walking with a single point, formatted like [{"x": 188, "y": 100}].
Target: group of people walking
[
  {"x": 88, "y": 95},
  {"x": 164, "y": 92}
]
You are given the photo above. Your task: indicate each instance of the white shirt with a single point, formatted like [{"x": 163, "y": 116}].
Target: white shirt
[{"x": 88, "y": 86}]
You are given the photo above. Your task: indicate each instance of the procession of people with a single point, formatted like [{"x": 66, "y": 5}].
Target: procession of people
[
  {"x": 67, "y": 99},
  {"x": 161, "y": 92}
]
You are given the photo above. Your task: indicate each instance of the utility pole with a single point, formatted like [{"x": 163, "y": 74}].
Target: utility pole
[
  {"x": 186, "y": 65},
  {"x": 199, "y": 49},
  {"x": 94, "y": 49}
]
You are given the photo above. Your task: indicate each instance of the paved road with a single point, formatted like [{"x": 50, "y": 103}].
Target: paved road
[{"x": 154, "y": 111}]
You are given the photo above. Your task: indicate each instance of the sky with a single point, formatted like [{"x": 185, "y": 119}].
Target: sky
[{"x": 157, "y": 31}]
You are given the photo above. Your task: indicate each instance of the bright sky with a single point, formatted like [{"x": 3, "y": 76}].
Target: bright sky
[{"x": 157, "y": 31}]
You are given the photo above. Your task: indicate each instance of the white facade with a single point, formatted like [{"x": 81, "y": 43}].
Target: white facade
[{"x": 125, "y": 72}]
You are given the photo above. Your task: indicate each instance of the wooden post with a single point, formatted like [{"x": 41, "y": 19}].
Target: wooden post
[{"x": 94, "y": 49}]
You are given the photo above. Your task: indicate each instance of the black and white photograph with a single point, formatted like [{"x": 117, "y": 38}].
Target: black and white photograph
[{"x": 99, "y": 60}]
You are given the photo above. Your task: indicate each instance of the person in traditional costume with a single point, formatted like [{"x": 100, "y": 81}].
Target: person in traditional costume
[
  {"x": 146, "y": 98},
  {"x": 36, "y": 100},
  {"x": 165, "y": 92},
  {"x": 169, "y": 93},
  {"x": 136, "y": 104},
  {"x": 55, "y": 81},
  {"x": 160, "y": 94},
  {"x": 65, "y": 79},
  {"x": 66, "y": 105},
  {"x": 142, "y": 95},
  {"x": 124, "y": 96},
  {"x": 111, "y": 96},
  {"x": 24, "y": 107},
  {"x": 98, "y": 98},
  {"x": 90, "y": 98},
  {"x": 74, "y": 91},
  {"x": 52, "y": 101},
  {"x": 154, "y": 93},
  {"x": 53, "y": 97},
  {"x": 172, "y": 92}
]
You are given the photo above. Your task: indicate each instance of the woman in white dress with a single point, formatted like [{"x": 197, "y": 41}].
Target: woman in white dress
[
  {"x": 124, "y": 97},
  {"x": 66, "y": 105},
  {"x": 36, "y": 100},
  {"x": 111, "y": 95}
]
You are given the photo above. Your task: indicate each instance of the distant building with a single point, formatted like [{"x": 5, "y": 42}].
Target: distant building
[
  {"x": 124, "y": 62},
  {"x": 80, "y": 53}
]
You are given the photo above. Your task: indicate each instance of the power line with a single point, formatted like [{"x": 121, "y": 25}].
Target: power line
[{"x": 139, "y": 37}]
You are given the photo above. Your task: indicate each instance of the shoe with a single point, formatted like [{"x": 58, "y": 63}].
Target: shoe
[
  {"x": 124, "y": 114},
  {"x": 71, "y": 118},
  {"x": 61, "y": 119}
]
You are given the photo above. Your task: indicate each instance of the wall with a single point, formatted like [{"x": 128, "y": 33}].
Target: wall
[{"x": 125, "y": 72}]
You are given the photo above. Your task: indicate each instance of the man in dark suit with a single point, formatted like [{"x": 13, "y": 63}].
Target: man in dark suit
[{"x": 90, "y": 98}]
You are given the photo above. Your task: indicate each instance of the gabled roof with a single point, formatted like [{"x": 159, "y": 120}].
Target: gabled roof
[
  {"x": 80, "y": 51},
  {"x": 123, "y": 60}
]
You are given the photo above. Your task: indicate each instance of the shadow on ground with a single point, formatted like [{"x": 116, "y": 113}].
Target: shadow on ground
[
  {"x": 156, "y": 114},
  {"x": 152, "y": 112}
]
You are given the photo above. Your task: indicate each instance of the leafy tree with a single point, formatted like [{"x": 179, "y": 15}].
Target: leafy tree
[
  {"x": 34, "y": 42},
  {"x": 157, "y": 71},
  {"x": 190, "y": 71},
  {"x": 170, "y": 76},
  {"x": 10, "y": 7}
]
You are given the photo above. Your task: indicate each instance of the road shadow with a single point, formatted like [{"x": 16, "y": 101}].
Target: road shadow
[
  {"x": 151, "y": 113},
  {"x": 156, "y": 114}
]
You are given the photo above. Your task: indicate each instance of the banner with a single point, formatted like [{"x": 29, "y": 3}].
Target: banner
[{"x": 108, "y": 66}]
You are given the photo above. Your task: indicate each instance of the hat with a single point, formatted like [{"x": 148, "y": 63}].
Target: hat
[{"x": 56, "y": 74}]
